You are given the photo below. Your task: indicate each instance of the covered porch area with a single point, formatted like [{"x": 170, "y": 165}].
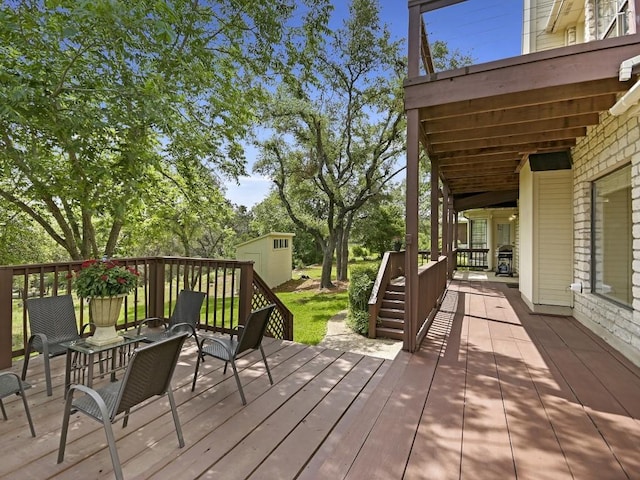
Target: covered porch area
[{"x": 494, "y": 391}]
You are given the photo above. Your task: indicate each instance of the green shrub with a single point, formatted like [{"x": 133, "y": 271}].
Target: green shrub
[{"x": 360, "y": 287}]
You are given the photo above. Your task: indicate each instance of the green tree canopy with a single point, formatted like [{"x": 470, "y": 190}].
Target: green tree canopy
[{"x": 99, "y": 98}]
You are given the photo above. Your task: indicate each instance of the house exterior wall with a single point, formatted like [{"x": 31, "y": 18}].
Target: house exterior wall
[
  {"x": 536, "y": 18},
  {"x": 611, "y": 144},
  {"x": 545, "y": 240},
  {"x": 554, "y": 237},
  {"x": 526, "y": 237}
]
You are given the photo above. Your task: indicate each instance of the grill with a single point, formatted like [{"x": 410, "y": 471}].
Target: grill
[{"x": 505, "y": 260}]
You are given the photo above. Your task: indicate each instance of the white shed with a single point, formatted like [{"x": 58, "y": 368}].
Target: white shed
[{"x": 272, "y": 255}]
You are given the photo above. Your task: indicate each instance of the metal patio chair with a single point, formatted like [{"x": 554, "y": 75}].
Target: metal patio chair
[
  {"x": 10, "y": 384},
  {"x": 148, "y": 375},
  {"x": 184, "y": 318},
  {"x": 249, "y": 338},
  {"x": 52, "y": 321}
]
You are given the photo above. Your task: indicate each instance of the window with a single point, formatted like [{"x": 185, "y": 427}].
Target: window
[
  {"x": 279, "y": 243},
  {"x": 478, "y": 234},
  {"x": 611, "y": 236},
  {"x": 612, "y": 18},
  {"x": 504, "y": 234}
]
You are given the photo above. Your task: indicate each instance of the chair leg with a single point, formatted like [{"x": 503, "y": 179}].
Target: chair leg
[
  {"x": 25, "y": 363},
  {"x": 65, "y": 427},
  {"x": 176, "y": 420},
  {"x": 111, "y": 441},
  {"x": 26, "y": 410},
  {"x": 4, "y": 413},
  {"x": 195, "y": 374},
  {"x": 235, "y": 373},
  {"x": 47, "y": 374},
  {"x": 264, "y": 358}
]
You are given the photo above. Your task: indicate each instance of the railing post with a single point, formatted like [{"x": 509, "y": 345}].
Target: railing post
[
  {"x": 246, "y": 291},
  {"x": 156, "y": 287},
  {"x": 6, "y": 317}
]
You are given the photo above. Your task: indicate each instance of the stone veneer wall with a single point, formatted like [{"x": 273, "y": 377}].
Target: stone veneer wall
[{"x": 611, "y": 144}]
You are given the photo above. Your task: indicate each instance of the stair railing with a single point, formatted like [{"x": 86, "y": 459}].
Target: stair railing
[{"x": 392, "y": 266}]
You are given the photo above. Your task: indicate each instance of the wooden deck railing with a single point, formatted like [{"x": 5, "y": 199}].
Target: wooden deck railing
[
  {"x": 233, "y": 289},
  {"x": 473, "y": 258},
  {"x": 432, "y": 284}
]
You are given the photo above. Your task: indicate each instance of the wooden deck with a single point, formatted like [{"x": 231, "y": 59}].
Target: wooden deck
[{"x": 495, "y": 392}]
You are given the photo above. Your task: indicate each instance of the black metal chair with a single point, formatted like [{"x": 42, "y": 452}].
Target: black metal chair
[
  {"x": 148, "y": 374},
  {"x": 52, "y": 321},
  {"x": 10, "y": 384},
  {"x": 249, "y": 338},
  {"x": 185, "y": 317}
]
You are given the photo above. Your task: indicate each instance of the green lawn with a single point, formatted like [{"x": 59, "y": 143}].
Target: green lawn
[
  {"x": 312, "y": 308},
  {"x": 311, "y": 312}
]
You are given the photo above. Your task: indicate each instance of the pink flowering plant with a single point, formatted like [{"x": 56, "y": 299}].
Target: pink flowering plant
[{"x": 104, "y": 278}]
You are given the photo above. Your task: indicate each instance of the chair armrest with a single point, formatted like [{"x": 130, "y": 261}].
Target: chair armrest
[
  {"x": 219, "y": 341},
  {"x": 190, "y": 327},
  {"x": 44, "y": 341},
  {"x": 149, "y": 320},
  {"x": 90, "y": 324}
]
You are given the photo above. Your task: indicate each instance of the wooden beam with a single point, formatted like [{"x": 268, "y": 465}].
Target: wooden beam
[
  {"x": 535, "y": 127},
  {"x": 500, "y": 117},
  {"x": 553, "y": 146},
  {"x": 431, "y": 5},
  {"x": 572, "y": 65},
  {"x": 510, "y": 140},
  {"x": 523, "y": 162}
]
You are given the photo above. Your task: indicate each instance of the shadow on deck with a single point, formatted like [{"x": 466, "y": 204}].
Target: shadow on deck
[{"x": 494, "y": 392}]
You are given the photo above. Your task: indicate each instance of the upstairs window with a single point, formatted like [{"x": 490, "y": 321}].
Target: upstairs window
[{"x": 612, "y": 18}]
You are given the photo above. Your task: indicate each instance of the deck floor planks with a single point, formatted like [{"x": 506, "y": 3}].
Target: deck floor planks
[
  {"x": 336, "y": 455},
  {"x": 242, "y": 460},
  {"x": 288, "y": 459},
  {"x": 563, "y": 396},
  {"x": 195, "y": 460},
  {"x": 486, "y": 446},
  {"x": 437, "y": 446}
]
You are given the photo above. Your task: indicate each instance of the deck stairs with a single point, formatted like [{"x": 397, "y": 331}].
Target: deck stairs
[{"x": 391, "y": 315}]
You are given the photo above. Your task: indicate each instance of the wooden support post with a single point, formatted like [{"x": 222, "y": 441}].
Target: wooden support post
[
  {"x": 435, "y": 210},
  {"x": 6, "y": 317},
  {"x": 156, "y": 287},
  {"x": 246, "y": 291},
  {"x": 411, "y": 241}
]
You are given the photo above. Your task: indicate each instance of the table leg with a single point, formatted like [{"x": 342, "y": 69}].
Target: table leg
[
  {"x": 114, "y": 352},
  {"x": 90, "y": 369},
  {"x": 67, "y": 374}
]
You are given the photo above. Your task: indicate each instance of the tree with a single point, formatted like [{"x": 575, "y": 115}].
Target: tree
[
  {"x": 338, "y": 131},
  {"x": 380, "y": 222},
  {"x": 99, "y": 98}
]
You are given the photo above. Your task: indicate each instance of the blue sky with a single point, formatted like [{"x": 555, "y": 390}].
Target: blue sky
[{"x": 484, "y": 29}]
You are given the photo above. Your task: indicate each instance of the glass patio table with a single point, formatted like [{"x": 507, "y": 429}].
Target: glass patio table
[{"x": 81, "y": 359}]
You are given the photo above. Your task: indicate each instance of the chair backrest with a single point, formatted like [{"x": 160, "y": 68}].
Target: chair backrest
[
  {"x": 254, "y": 329},
  {"x": 149, "y": 373},
  {"x": 54, "y": 317},
  {"x": 187, "y": 309}
]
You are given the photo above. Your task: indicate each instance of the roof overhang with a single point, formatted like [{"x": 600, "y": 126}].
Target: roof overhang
[{"x": 480, "y": 123}]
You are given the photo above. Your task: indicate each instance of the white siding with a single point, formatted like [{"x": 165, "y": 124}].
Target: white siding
[
  {"x": 554, "y": 233},
  {"x": 525, "y": 248}
]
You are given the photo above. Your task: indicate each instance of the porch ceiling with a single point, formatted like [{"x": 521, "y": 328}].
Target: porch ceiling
[{"x": 480, "y": 123}]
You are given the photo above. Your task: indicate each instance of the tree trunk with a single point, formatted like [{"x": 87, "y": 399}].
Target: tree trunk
[{"x": 327, "y": 263}]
